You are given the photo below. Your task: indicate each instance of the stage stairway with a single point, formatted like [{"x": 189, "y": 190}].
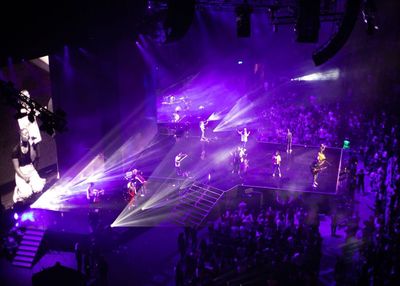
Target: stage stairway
[
  {"x": 28, "y": 248},
  {"x": 196, "y": 203}
]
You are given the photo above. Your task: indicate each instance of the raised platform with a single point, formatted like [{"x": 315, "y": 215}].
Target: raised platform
[
  {"x": 74, "y": 214},
  {"x": 216, "y": 168}
]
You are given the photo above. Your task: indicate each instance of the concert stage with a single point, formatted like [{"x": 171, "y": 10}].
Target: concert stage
[
  {"x": 216, "y": 168},
  {"x": 171, "y": 201},
  {"x": 213, "y": 171},
  {"x": 166, "y": 190}
]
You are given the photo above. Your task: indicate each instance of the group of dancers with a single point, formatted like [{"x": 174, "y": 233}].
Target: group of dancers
[
  {"x": 239, "y": 161},
  {"x": 240, "y": 158}
]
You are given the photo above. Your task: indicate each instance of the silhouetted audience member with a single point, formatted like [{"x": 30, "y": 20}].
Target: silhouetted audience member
[
  {"x": 78, "y": 256},
  {"x": 182, "y": 244},
  {"x": 102, "y": 270},
  {"x": 179, "y": 274},
  {"x": 264, "y": 246},
  {"x": 360, "y": 181},
  {"x": 334, "y": 223},
  {"x": 87, "y": 265}
]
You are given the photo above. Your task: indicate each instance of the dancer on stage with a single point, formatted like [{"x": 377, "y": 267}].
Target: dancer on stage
[
  {"x": 318, "y": 165},
  {"x": 203, "y": 125},
  {"x": 178, "y": 159},
  {"x": 136, "y": 185},
  {"x": 93, "y": 194},
  {"x": 244, "y": 136},
  {"x": 289, "y": 139},
  {"x": 244, "y": 162},
  {"x": 276, "y": 161},
  {"x": 236, "y": 160}
]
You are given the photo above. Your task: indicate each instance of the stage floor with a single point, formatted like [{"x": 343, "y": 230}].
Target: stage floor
[
  {"x": 216, "y": 168},
  {"x": 72, "y": 213}
]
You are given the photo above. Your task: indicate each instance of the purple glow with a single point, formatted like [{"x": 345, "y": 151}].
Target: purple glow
[
  {"x": 241, "y": 114},
  {"x": 28, "y": 216},
  {"x": 142, "y": 41},
  {"x": 83, "y": 51},
  {"x": 214, "y": 116},
  {"x": 66, "y": 192},
  {"x": 332, "y": 74},
  {"x": 67, "y": 65},
  {"x": 66, "y": 52}
]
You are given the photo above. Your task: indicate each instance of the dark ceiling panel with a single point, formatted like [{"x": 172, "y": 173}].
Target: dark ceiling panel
[{"x": 30, "y": 29}]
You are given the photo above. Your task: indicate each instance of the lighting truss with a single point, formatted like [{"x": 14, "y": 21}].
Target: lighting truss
[{"x": 280, "y": 12}]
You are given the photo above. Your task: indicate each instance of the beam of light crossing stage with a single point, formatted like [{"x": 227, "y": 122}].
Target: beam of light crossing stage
[
  {"x": 168, "y": 193},
  {"x": 94, "y": 168},
  {"x": 332, "y": 74},
  {"x": 199, "y": 171},
  {"x": 240, "y": 115}
]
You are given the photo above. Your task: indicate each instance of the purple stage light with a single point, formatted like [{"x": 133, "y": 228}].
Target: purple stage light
[
  {"x": 66, "y": 51},
  {"x": 83, "y": 51},
  {"x": 241, "y": 114}
]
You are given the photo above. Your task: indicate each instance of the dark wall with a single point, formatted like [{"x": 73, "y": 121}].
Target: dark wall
[
  {"x": 85, "y": 87},
  {"x": 103, "y": 90},
  {"x": 107, "y": 85},
  {"x": 31, "y": 29}
]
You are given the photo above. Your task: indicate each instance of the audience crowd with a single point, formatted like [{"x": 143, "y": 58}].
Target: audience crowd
[{"x": 281, "y": 243}]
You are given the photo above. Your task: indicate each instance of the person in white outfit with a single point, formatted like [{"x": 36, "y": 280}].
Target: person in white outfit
[
  {"x": 244, "y": 136},
  {"x": 203, "y": 125},
  {"x": 27, "y": 179}
]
